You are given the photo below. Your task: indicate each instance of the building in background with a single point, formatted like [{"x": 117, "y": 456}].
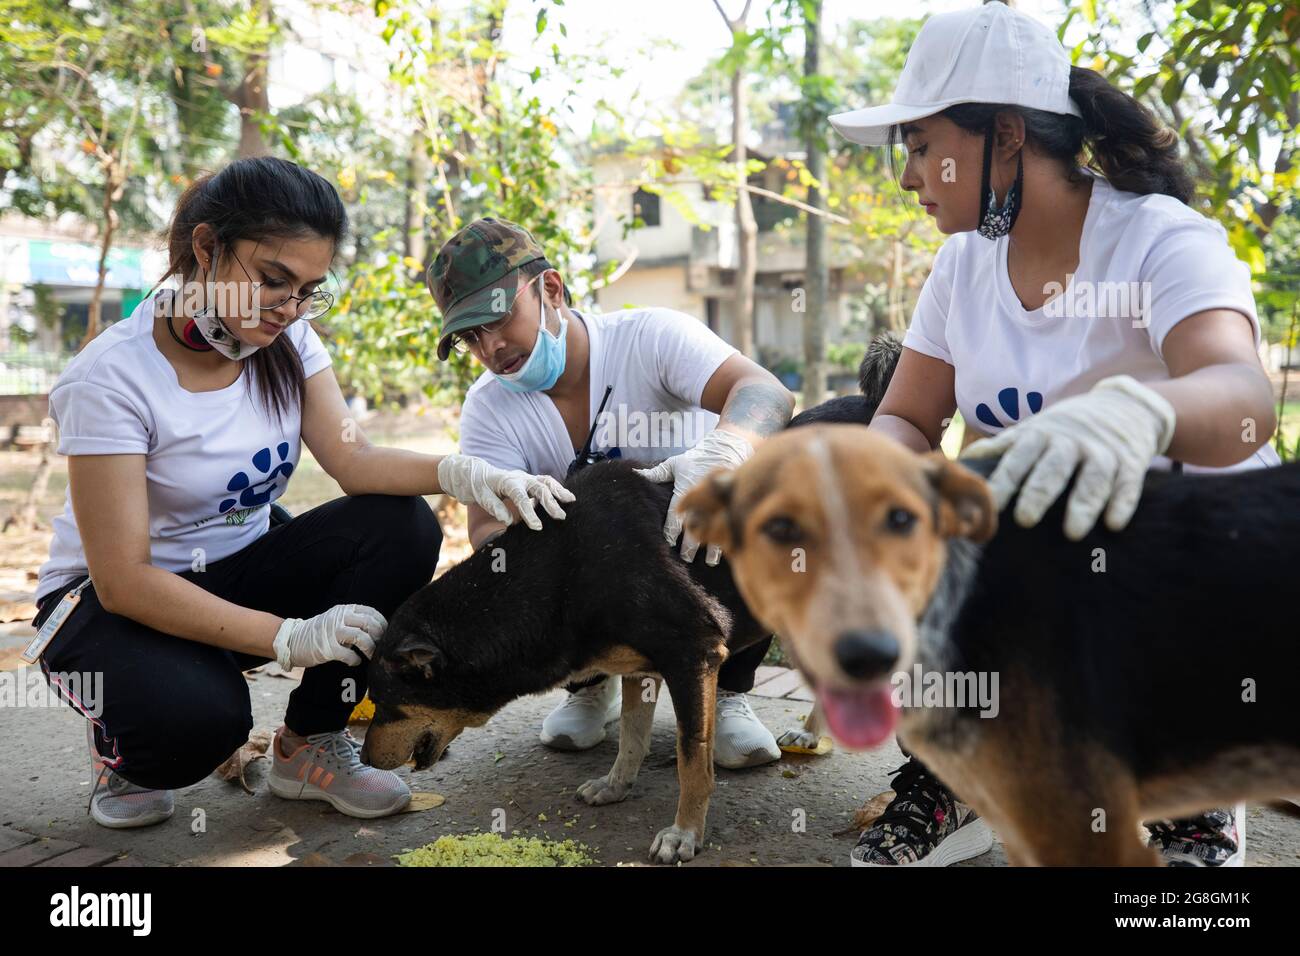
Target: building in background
[
  {"x": 685, "y": 259},
  {"x": 48, "y": 272}
]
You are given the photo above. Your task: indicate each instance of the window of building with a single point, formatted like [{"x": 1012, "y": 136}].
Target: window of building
[{"x": 646, "y": 206}]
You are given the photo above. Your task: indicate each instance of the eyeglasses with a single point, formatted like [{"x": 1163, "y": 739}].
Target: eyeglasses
[
  {"x": 310, "y": 306},
  {"x": 464, "y": 342}
]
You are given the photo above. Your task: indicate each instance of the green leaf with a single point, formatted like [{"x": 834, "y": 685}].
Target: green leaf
[{"x": 1251, "y": 141}]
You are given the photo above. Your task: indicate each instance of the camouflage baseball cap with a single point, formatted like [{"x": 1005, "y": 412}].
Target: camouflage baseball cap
[{"x": 473, "y": 276}]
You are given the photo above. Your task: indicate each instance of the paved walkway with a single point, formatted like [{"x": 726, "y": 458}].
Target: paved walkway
[{"x": 797, "y": 811}]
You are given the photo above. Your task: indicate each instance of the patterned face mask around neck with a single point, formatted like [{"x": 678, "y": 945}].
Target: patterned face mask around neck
[{"x": 214, "y": 330}]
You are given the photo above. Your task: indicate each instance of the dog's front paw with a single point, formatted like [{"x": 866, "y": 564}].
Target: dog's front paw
[
  {"x": 673, "y": 844},
  {"x": 601, "y": 790},
  {"x": 803, "y": 739}
]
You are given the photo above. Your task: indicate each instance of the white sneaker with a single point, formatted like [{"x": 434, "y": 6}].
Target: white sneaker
[
  {"x": 579, "y": 722},
  {"x": 739, "y": 737}
]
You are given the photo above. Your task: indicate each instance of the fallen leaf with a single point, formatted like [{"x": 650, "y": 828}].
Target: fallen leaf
[
  {"x": 424, "y": 801},
  {"x": 22, "y": 610},
  {"x": 259, "y": 741},
  {"x": 866, "y": 815}
]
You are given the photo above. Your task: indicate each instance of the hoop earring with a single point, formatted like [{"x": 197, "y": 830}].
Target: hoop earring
[{"x": 996, "y": 221}]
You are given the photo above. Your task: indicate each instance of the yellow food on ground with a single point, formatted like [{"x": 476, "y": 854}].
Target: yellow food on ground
[
  {"x": 490, "y": 849},
  {"x": 824, "y": 746},
  {"x": 363, "y": 711}
]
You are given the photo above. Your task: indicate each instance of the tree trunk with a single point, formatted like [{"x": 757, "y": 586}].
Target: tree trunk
[
  {"x": 746, "y": 228},
  {"x": 25, "y": 518},
  {"x": 895, "y": 296},
  {"x": 109, "y": 215},
  {"x": 417, "y": 174},
  {"x": 251, "y": 96},
  {"x": 816, "y": 268}
]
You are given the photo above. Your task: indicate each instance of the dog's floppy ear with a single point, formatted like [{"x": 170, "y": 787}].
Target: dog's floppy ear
[
  {"x": 416, "y": 657},
  {"x": 704, "y": 508},
  {"x": 966, "y": 505}
]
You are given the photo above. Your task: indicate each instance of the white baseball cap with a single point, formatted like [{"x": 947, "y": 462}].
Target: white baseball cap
[{"x": 988, "y": 54}]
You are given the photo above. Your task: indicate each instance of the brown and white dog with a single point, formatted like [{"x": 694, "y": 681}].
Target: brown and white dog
[{"x": 1138, "y": 675}]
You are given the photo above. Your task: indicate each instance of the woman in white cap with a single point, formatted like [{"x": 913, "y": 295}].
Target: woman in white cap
[{"x": 1080, "y": 316}]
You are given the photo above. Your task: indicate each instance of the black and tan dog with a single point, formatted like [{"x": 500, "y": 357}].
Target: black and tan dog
[
  {"x": 1141, "y": 675},
  {"x": 600, "y": 592}
]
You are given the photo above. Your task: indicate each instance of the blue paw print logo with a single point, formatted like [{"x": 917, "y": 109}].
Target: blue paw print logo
[
  {"x": 253, "y": 493},
  {"x": 1009, "y": 402}
]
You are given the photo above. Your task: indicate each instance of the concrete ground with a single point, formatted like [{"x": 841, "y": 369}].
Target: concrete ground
[
  {"x": 500, "y": 767},
  {"x": 46, "y": 780}
]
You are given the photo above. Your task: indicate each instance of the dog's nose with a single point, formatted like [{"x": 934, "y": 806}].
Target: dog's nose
[{"x": 863, "y": 654}]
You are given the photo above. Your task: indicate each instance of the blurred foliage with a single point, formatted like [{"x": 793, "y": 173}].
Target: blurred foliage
[
  {"x": 472, "y": 138},
  {"x": 1224, "y": 76},
  {"x": 461, "y": 130}
]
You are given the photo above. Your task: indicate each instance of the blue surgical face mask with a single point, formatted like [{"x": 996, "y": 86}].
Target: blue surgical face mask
[{"x": 545, "y": 363}]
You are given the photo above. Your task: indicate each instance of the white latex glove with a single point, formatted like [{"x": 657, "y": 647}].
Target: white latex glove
[
  {"x": 471, "y": 479},
  {"x": 719, "y": 448},
  {"x": 336, "y": 635},
  {"x": 1113, "y": 432}
]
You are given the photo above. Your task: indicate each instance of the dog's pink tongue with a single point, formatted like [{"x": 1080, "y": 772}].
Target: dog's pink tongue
[{"x": 860, "y": 718}]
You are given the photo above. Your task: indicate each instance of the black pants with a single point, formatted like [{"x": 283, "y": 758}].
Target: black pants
[
  {"x": 736, "y": 674},
  {"x": 171, "y": 710}
]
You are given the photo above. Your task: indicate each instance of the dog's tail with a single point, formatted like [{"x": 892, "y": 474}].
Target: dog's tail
[{"x": 878, "y": 365}]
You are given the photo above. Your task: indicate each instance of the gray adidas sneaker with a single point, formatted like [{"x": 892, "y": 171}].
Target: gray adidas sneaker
[
  {"x": 117, "y": 803},
  {"x": 328, "y": 767}
]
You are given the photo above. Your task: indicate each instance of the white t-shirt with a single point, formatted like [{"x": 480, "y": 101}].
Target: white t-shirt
[
  {"x": 1145, "y": 264},
  {"x": 657, "y": 360},
  {"x": 213, "y": 460}
]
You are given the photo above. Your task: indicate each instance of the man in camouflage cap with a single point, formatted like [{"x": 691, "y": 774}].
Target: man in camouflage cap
[
  {"x": 547, "y": 369},
  {"x": 473, "y": 276}
]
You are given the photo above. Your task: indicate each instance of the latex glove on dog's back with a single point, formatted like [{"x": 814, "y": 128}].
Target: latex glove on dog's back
[
  {"x": 1110, "y": 433},
  {"x": 719, "y": 448},
  {"x": 470, "y": 479},
  {"x": 343, "y": 633}
]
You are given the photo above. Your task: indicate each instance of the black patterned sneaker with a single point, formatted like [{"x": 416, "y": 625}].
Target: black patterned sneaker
[
  {"x": 1215, "y": 838},
  {"x": 924, "y": 825}
]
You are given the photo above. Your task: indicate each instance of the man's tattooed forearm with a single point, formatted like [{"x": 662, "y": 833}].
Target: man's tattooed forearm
[{"x": 762, "y": 409}]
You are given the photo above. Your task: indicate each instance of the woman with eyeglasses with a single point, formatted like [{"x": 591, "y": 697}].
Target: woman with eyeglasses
[{"x": 167, "y": 578}]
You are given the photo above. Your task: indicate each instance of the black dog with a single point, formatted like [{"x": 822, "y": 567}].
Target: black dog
[
  {"x": 598, "y": 593},
  {"x": 1140, "y": 675}
]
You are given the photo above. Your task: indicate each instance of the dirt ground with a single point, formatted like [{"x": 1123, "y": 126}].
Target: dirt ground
[{"x": 797, "y": 811}]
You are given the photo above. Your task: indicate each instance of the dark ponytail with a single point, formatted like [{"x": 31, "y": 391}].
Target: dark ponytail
[
  {"x": 1128, "y": 143},
  {"x": 258, "y": 198},
  {"x": 1117, "y": 136}
]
